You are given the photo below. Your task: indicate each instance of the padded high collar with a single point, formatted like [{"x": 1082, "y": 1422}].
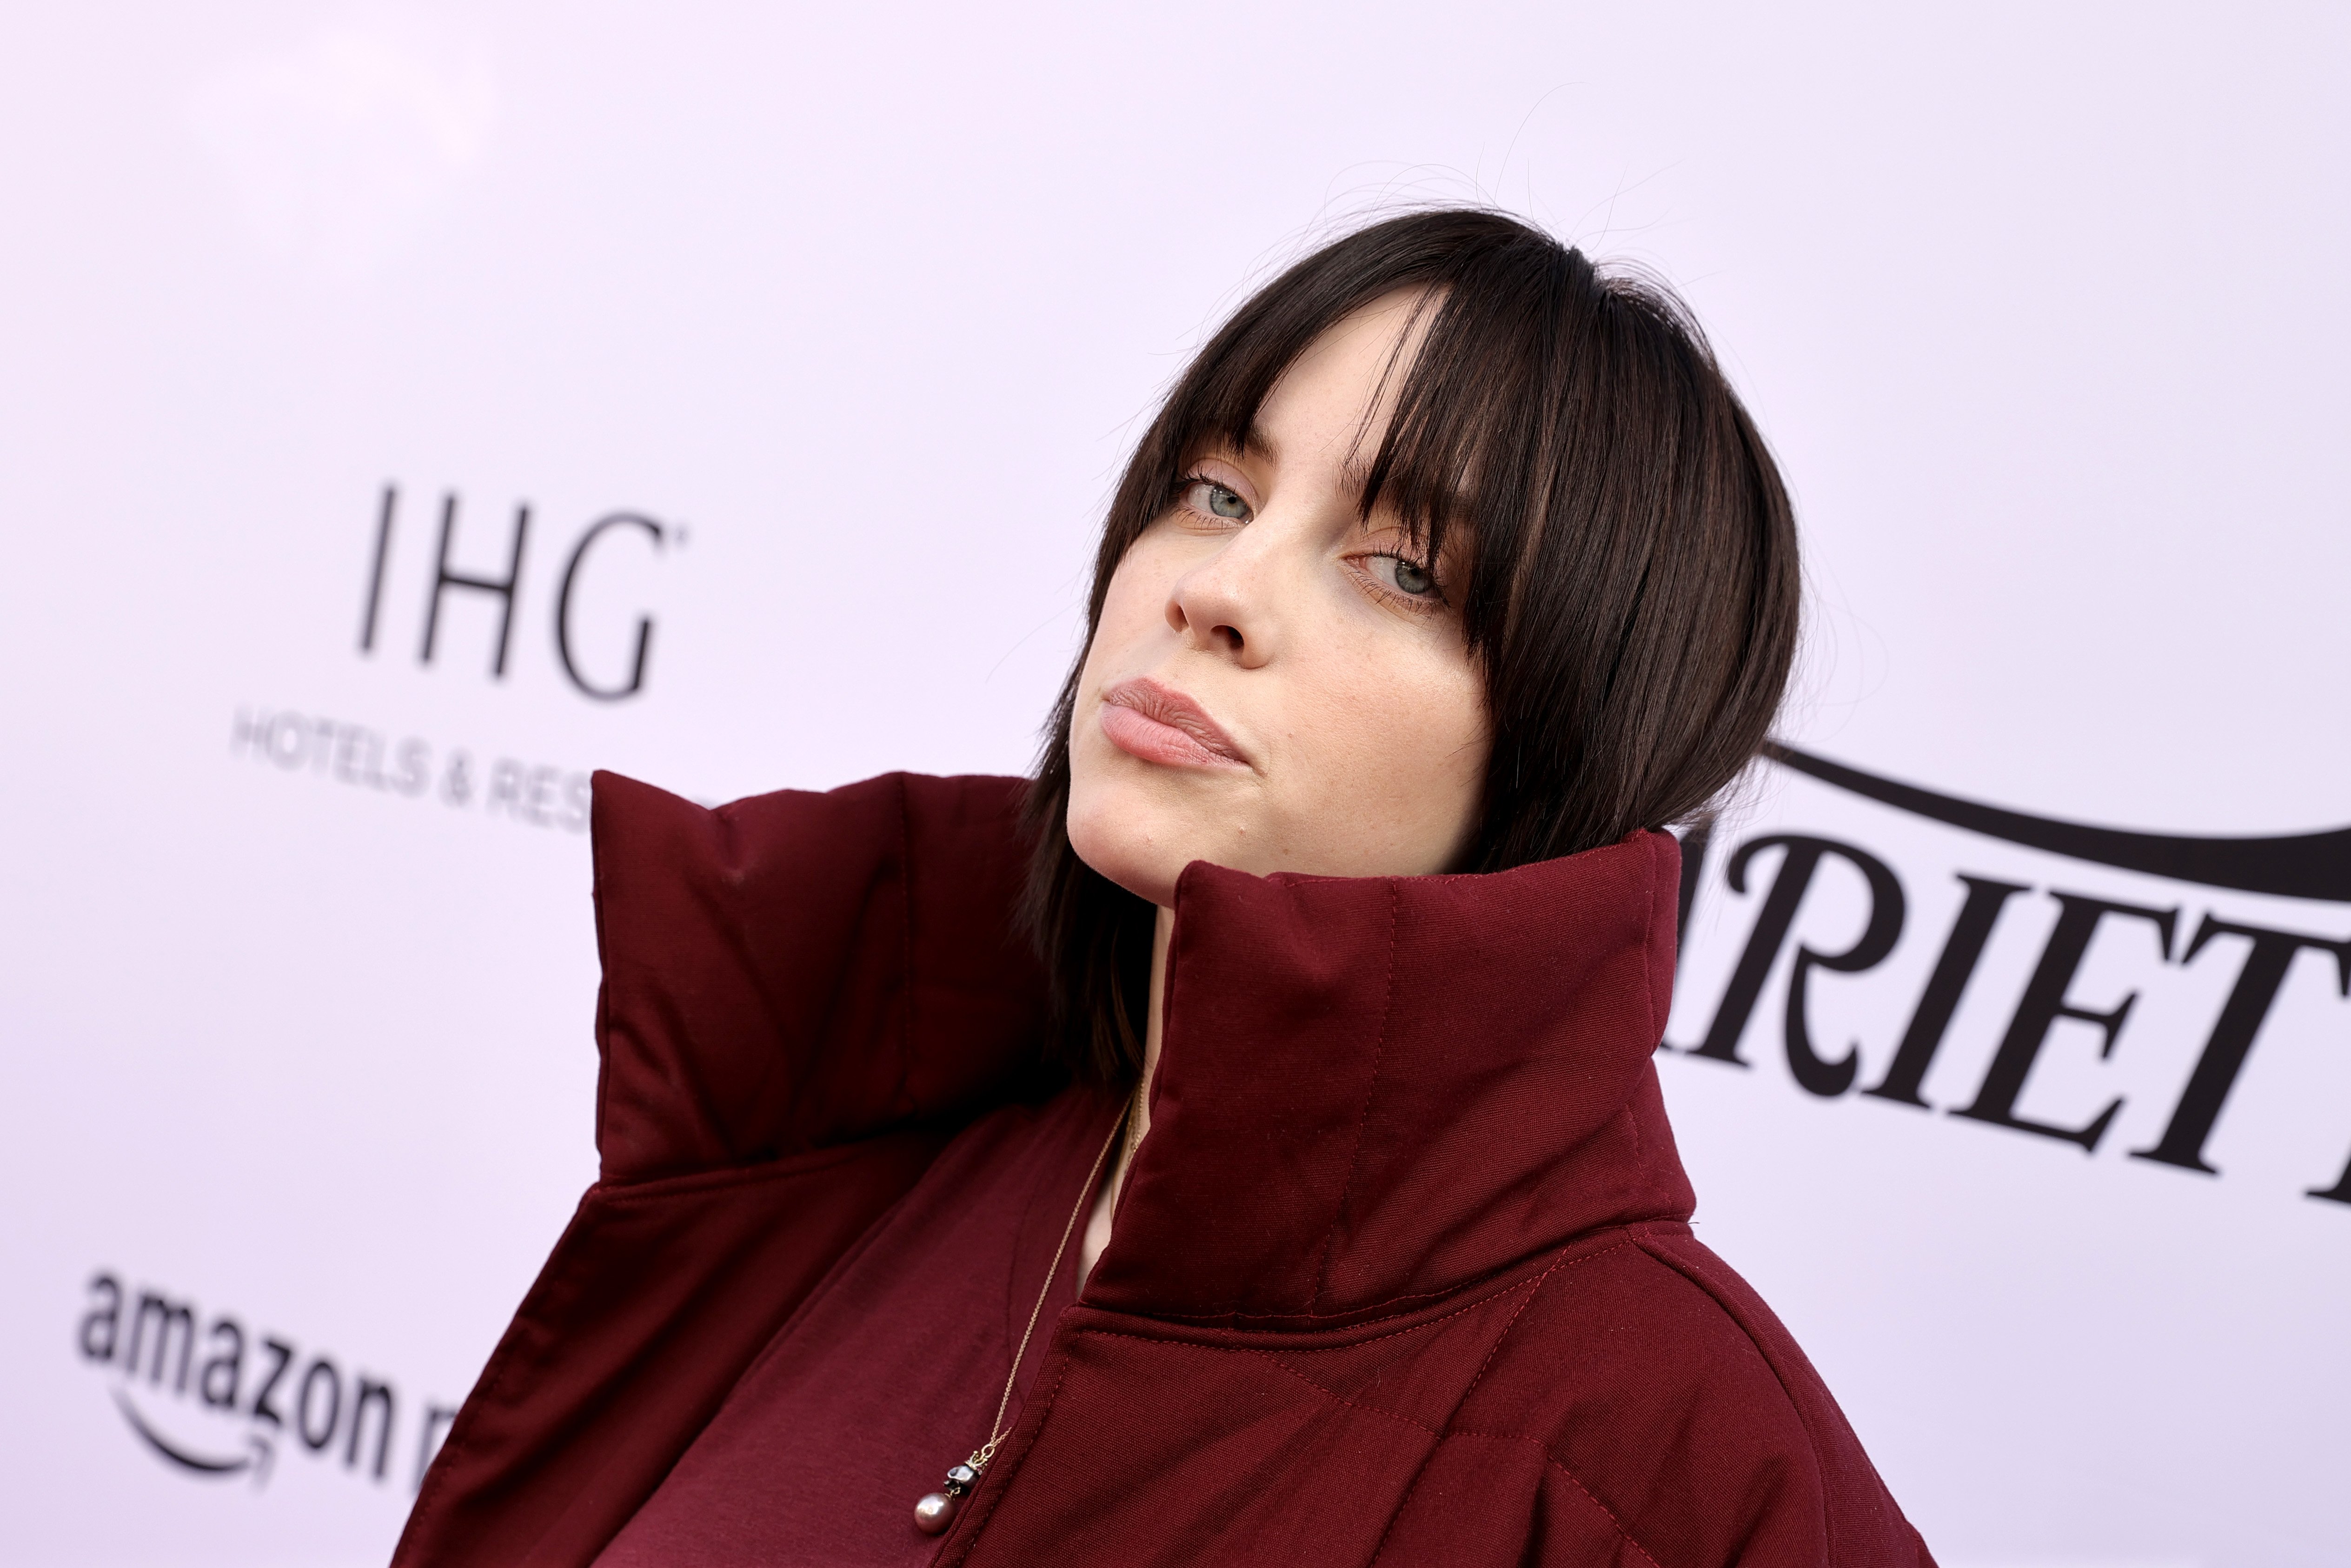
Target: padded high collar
[{"x": 1372, "y": 1090}]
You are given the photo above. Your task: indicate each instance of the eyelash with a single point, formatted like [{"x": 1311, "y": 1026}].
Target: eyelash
[
  {"x": 1184, "y": 490},
  {"x": 1407, "y": 602},
  {"x": 1417, "y": 606}
]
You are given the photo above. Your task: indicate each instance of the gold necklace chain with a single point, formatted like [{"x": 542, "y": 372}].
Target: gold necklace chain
[
  {"x": 1133, "y": 1121},
  {"x": 935, "y": 1512}
]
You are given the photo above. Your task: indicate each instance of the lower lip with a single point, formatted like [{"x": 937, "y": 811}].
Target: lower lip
[{"x": 1153, "y": 741}]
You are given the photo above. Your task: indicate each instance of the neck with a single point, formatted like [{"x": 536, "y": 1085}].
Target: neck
[
  {"x": 1098, "y": 1224},
  {"x": 1154, "y": 1019}
]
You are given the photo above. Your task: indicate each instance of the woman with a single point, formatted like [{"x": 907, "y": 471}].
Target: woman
[{"x": 1240, "y": 1144}]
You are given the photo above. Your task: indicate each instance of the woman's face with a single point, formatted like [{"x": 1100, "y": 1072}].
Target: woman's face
[{"x": 1276, "y": 685}]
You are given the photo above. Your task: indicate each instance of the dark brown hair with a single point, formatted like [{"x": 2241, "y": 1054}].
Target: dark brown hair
[{"x": 1632, "y": 588}]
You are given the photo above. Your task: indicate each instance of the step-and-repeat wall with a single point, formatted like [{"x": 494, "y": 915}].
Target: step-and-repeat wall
[{"x": 406, "y": 411}]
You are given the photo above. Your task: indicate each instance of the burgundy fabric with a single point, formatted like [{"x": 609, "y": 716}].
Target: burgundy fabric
[
  {"x": 1401, "y": 1274},
  {"x": 893, "y": 1372}
]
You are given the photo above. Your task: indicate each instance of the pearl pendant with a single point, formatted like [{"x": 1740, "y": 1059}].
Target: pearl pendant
[{"x": 936, "y": 1512}]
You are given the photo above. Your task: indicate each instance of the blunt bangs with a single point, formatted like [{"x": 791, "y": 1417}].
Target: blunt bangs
[{"x": 1632, "y": 590}]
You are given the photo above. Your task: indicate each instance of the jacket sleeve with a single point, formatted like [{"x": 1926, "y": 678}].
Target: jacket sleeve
[
  {"x": 804, "y": 995},
  {"x": 1790, "y": 1475},
  {"x": 1647, "y": 1409}
]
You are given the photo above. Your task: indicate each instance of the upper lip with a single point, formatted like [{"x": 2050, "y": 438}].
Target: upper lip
[{"x": 1171, "y": 707}]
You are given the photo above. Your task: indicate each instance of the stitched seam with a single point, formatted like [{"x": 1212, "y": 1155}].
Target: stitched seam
[
  {"x": 1371, "y": 1089},
  {"x": 1338, "y": 1398},
  {"x": 1280, "y": 1365},
  {"x": 1384, "y": 1333},
  {"x": 1403, "y": 1501},
  {"x": 1658, "y": 1022},
  {"x": 1334, "y": 1395},
  {"x": 1608, "y": 1513},
  {"x": 1310, "y": 1350},
  {"x": 1380, "y": 1547},
  {"x": 458, "y": 1443},
  {"x": 1496, "y": 1349},
  {"x": 1557, "y": 1463},
  {"x": 1388, "y": 1334},
  {"x": 495, "y": 1375},
  {"x": 1438, "y": 1437},
  {"x": 1699, "y": 1275},
  {"x": 1373, "y": 1309},
  {"x": 1010, "y": 1473},
  {"x": 632, "y": 1193},
  {"x": 1397, "y": 1416},
  {"x": 1648, "y": 930},
  {"x": 1615, "y": 1523}
]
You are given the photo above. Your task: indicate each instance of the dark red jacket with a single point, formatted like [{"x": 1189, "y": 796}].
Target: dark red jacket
[{"x": 1401, "y": 1275}]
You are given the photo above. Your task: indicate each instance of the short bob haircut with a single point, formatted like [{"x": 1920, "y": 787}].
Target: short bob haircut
[{"x": 1633, "y": 584}]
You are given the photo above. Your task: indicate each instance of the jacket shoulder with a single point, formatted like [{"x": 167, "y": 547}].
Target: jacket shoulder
[
  {"x": 796, "y": 970},
  {"x": 1659, "y": 1384}
]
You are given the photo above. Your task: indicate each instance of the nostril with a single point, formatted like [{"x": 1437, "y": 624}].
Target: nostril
[{"x": 1230, "y": 636}]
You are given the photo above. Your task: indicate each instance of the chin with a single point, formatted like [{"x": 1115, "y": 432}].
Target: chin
[
  {"x": 1121, "y": 831},
  {"x": 1136, "y": 823}
]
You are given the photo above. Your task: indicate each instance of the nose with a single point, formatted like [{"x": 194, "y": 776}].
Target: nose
[{"x": 1225, "y": 605}]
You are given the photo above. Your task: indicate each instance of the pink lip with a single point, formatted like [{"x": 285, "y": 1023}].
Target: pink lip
[{"x": 1160, "y": 723}]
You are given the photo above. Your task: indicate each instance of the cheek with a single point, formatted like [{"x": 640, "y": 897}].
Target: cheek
[
  {"x": 1114, "y": 820},
  {"x": 1441, "y": 742},
  {"x": 1133, "y": 615},
  {"x": 1403, "y": 763}
]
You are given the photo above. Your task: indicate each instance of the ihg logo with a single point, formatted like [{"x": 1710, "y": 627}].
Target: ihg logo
[{"x": 585, "y": 654}]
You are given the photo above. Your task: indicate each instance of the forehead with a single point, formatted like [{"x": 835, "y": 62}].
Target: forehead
[{"x": 1331, "y": 407}]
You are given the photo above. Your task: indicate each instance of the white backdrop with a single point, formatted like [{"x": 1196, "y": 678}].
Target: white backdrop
[{"x": 857, "y": 309}]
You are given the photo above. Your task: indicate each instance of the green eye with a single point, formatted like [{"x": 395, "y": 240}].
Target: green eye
[{"x": 1210, "y": 499}]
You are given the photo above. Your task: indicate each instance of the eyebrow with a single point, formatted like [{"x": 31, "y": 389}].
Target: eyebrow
[{"x": 1355, "y": 473}]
